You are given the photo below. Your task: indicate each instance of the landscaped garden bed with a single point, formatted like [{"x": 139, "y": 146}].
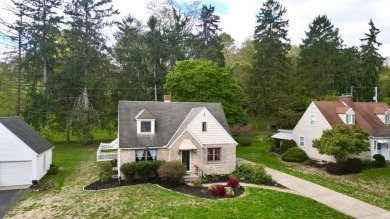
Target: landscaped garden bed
[{"x": 202, "y": 192}]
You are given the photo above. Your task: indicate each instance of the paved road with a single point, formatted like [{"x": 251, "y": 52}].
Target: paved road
[
  {"x": 343, "y": 203},
  {"x": 9, "y": 198}
]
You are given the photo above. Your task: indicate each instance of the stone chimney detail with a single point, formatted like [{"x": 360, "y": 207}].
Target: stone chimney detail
[
  {"x": 167, "y": 98},
  {"x": 347, "y": 99}
]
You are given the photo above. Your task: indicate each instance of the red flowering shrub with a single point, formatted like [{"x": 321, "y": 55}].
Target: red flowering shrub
[
  {"x": 218, "y": 190},
  {"x": 234, "y": 183}
]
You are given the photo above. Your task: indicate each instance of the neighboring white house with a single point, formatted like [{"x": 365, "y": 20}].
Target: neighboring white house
[
  {"x": 24, "y": 154},
  {"x": 195, "y": 133},
  {"x": 322, "y": 115}
]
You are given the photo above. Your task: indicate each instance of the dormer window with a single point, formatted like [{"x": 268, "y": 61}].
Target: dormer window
[
  {"x": 350, "y": 119},
  {"x": 146, "y": 126},
  {"x": 145, "y": 122},
  {"x": 387, "y": 117}
]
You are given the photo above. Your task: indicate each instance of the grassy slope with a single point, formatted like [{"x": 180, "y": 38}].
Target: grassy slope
[
  {"x": 68, "y": 199},
  {"x": 371, "y": 186}
]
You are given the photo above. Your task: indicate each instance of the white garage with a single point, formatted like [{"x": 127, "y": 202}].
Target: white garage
[{"x": 25, "y": 155}]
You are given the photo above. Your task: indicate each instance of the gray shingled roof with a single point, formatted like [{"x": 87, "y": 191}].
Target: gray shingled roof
[
  {"x": 169, "y": 117},
  {"x": 26, "y": 133},
  {"x": 144, "y": 114}
]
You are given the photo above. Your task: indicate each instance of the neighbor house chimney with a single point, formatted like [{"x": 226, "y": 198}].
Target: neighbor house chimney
[
  {"x": 167, "y": 98},
  {"x": 347, "y": 99}
]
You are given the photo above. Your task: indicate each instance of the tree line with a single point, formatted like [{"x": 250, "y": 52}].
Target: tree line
[{"x": 61, "y": 73}]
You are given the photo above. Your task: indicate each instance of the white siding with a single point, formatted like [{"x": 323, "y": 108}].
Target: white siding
[
  {"x": 12, "y": 148},
  {"x": 39, "y": 164},
  {"x": 15, "y": 173},
  {"x": 215, "y": 133},
  {"x": 303, "y": 129}
]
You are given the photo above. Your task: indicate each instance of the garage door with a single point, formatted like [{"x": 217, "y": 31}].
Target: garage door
[{"x": 15, "y": 173}]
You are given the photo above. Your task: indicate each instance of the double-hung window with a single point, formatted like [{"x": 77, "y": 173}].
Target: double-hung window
[
  {"x": 301, "y": 141},
  {"x": 214, "y": 154},
  {"x": 312, "y": 120}
]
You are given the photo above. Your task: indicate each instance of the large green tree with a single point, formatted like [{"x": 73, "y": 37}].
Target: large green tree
[
  {"x": 265, "y": 84},
  {"x": 342, "y": 140},
  {"x": 320, "y": 63},
  {"x": 203, "y": 81},
  {"x": 371, "y": 63},
  {"x": 88, "y": 60},
  {"x": 208, "y": 44}
]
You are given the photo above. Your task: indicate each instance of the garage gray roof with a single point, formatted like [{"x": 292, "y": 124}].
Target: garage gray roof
[
  {"x": 168, "y": 118},
  {"x": 26, "y": 133}
]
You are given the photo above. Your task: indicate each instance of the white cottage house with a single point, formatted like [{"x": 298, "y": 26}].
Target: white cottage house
[
  {"x": 25, "y": 155},
  {"x": 195, "y": 133},
  {"x": 322, "y": 115}
]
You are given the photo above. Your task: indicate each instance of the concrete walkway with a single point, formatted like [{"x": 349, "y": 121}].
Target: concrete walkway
[{"x": 343, "y": 203}]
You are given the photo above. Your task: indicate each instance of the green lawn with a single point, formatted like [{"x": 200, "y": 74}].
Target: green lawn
[
  {"x": 371, "y": 186},
  {"x": 68, "y": 199}
]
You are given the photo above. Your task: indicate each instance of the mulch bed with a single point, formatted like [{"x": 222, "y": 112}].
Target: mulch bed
[{"x": 201, "y": 192}]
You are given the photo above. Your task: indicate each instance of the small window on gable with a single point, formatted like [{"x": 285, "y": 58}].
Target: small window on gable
[
  {"x": 204, "y": 126},
  {"x": 387, "y": 117},
  {"x": 146, "y": 126},
  {"x": 313, "y": 120},
  {"x": 350, "y": 119}
]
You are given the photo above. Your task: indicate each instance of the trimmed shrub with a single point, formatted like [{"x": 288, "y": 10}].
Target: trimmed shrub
[
  {"x": 172, "y": 172},
  {"x": 334, "y": 168},
  {"x": 114, "y": 163},
  {"x": 255, "y": 173},
  {"x": 53, "y": 170},
  {"x": 245, "y": 141},
  {"x": 144, "y": 170},
  {"x": 287, "y": 144},
  {"x": 234, "y": 183},
  {"x": 217, "y": 190},
  {"x": 353, "y": 165},
  {"x": 129, "y": 170},
  {"x": 379, "y": 160},
  {"x": 294, "y": 154}
]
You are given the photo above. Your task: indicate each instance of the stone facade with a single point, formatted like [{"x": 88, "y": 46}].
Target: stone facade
[{"x": 198, "y": 160}]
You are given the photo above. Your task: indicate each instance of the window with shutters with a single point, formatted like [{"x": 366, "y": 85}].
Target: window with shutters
[{"x": 350, "y": 119}]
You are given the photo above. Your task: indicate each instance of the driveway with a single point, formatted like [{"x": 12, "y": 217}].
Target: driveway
[{"x": 8, "y": 198}]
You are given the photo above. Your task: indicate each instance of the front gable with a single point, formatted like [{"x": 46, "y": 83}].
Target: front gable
[{"x": 208, "y": 130}]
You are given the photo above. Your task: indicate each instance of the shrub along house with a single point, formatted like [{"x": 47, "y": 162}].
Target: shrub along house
[
  {"x": 25, "y": 155},
  {"x": 322, "y": 115},
  {"x": 195, "y": 133}
]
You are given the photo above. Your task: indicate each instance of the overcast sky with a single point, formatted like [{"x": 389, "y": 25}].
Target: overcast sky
[
  {"x": 350, "y": 16},
  {"x": 238, "y": 17}
]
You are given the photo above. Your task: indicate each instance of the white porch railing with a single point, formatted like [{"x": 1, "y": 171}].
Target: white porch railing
[{"x": 102, "y": 155}]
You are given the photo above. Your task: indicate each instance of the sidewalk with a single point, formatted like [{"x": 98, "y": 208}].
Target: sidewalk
[{"x": 343, "y": 203}]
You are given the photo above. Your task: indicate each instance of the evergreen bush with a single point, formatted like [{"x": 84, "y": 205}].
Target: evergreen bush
[{"x": 294, "y": 154}]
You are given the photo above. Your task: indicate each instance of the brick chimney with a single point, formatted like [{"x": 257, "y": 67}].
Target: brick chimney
[
  {"x": 167, "y": 98},
  {"x": 347, "y": 99}
]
